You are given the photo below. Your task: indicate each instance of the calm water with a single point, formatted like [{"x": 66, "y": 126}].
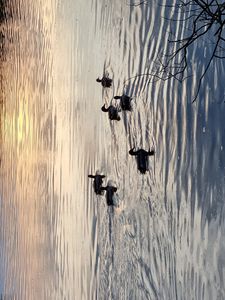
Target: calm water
[{"x": 58, "y": 240}]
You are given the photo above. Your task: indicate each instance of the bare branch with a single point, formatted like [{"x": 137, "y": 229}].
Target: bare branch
[{"x": 207, "y": 19}]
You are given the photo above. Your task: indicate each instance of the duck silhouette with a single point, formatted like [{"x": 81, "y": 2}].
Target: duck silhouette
[
  {"x": 112, "y": 112},
  {"x": 125, "y": 102},
  {"x": 142, "y": 158},
  {"x": 97, "y": 184},
  {"x": 105, "y": 81},
  {"x": 110, "y": 191}
]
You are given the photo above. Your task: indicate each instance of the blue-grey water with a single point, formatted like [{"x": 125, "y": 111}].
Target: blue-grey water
[{"x": 58, "y": 240}]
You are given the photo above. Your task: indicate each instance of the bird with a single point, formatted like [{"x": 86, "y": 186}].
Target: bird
[
  {"x": 105, "y": 81},
  {"x": 97, "y": 184},
  {"x": 112, "y": 112},
  {"x": 125, "y": 102},
  {"x": 142, "y": 158},
  {"x": 110, "y": 190}
]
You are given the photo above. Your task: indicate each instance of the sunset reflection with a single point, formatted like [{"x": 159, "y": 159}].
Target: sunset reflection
[{"x": 58, "y": 238}]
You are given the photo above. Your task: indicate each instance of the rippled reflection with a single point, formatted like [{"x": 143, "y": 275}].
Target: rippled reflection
[{"x": 58, "y": 239}]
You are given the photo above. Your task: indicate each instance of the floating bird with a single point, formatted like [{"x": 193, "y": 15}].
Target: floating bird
[
  {"x": 125, "y": 102},
  {"x": 105, "y": 81},
  {"x": 142, "y": 158},
  {"x": 110, "y": 191},
  {"x": 112, "y": 111},
  {"x": 97, "y": 183}
]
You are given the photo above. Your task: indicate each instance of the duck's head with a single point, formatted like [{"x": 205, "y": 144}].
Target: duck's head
[
  {"x": 103, "y": 108},
  {"x": 98, "y": 80}
]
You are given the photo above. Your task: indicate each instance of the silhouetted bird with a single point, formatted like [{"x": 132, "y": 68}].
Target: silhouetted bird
[
  {"x": 112, "y": 111},
  {"x": 142, "y": 158},
  {"x": 125, "y": 102},
  {"x": 110, "y": 190},
  {"x": 97, "y": 183},
  {"x": 105, "y": 81}
]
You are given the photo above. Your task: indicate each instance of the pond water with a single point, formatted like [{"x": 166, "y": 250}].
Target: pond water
[{"x": 58, "y": 240}]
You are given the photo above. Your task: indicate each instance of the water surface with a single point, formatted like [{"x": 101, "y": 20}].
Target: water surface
[{"x": 58, "y": 239}]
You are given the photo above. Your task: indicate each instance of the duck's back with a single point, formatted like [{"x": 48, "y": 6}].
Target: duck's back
[{"x": 106, "y": 82}]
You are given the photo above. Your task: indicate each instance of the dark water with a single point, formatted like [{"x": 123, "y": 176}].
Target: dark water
[{"x": 58, "y": 240}]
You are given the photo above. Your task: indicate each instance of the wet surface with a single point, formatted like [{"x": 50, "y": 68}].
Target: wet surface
[{"x": 58, "y": 239}]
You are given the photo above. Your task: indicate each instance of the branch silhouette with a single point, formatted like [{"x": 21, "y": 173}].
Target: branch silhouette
[{"x": 200, "y": 19}]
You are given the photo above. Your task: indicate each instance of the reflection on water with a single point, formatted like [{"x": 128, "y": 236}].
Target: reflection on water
[
  {"x": 58, "y": 239},
  {"x": 27, "y": 150}
]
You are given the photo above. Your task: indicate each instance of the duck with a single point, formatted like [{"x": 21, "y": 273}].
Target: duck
[
  {"x": 125, "y": 102},
  {"x": 110, "y": 191},
  {"x": 97, "y": 184},
  {"x": 112, "y": 112},
  {"x": 142, "y": 158},
  {"x": 105, "y": 81}
]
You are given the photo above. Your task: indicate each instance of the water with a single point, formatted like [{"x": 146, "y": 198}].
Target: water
[{"x": 58, "y": 239}]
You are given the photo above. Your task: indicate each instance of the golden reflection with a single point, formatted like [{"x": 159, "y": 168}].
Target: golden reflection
[
  {"x": 27, "y": 157},
  {"x": 19, "y": 126},
  {"x": 26, "y": 170}
]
